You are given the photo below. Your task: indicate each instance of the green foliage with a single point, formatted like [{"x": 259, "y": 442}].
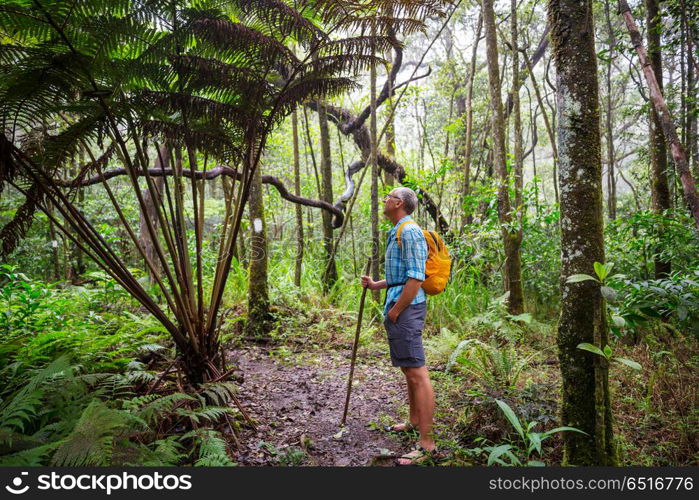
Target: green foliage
[
  {"x": 211, "y": 449},
  {"x": 528, "y": 445},
  {"x": 91, "y": 441},
  {"x": 635, "y": 239},
  {"x": 68, "y": 376},
  {"x": 496, "y": 368},
  {"x": 606, "y": 353},
  {"x": 675, "y": 297}
]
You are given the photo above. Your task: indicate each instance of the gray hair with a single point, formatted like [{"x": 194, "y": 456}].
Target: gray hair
[{"x": 408, "y": 197}]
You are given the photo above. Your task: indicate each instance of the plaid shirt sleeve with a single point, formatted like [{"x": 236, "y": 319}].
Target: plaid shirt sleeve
[{"x": 414, "y": 252}]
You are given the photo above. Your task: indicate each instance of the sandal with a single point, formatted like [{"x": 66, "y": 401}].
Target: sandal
[
  {"x": 405, "y": 427},
  {"x": 419, "y": 456}
]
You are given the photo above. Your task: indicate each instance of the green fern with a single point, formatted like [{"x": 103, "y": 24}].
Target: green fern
[
  {"x": 164, "y": 452},
  {"x": 207, "y": 414},
  {"x": 92, "y": 440},
  {"x": 22, "y": 407},
  {"x": 219, "y": 393},
  {"x": 153, "y": 406},
  {"x": 212, "y": 450}
]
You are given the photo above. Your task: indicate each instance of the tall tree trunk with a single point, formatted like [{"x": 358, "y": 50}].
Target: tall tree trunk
[
  {"x": 513, "y": 265},
  {"x": 466, "y": 106},
  {"x": 374, "y": 165},
  {"x": 388, "y": 178},
  {"x": 326, "y": 174},
  {"x": 258, "y": 296},
  {"x": 518, "y": 159},
  {"x": 547, "y": 122},
  {"x": 552, "y": 107},
  {"x": 586, "y": 402},
  {"x": 660, "y": 192},
  {"x": 660, "y": 106},
  {"x": 608, "y": 122},
  {"x": 299, "y": 209},
  {"x": 692, "y": 138}
]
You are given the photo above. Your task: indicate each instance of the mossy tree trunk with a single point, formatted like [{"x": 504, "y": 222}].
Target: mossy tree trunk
[
  {"x": 258, "y": 296},
  {"x": 330, "y": 273},
  {"x": 464, "y": 107},
  {"x": 517, "y": 305},
  {"x": 586, "y": 400},
  {"x": 660, "y": 191},
  {"x": 609, "y": 119},
  {"x": 511, "y": 239}
]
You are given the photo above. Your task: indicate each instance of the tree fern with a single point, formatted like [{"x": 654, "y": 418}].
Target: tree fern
[{"x": 79, "y": 71}]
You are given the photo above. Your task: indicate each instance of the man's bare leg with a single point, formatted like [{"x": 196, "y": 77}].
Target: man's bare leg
[
  {"x": 414, "y": 417},
  {"x": 423, "y": 395}
]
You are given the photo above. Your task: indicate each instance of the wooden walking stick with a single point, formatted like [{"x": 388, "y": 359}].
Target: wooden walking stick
[{"x": 354, "y": 347}]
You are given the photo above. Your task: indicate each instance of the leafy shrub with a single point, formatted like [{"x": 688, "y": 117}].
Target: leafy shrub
[
  {"x": 496, "y": 368},
  {"x": 520, "y": 452}
]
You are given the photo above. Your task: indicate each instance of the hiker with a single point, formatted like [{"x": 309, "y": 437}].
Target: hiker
[{"x": 404, "y": 313}]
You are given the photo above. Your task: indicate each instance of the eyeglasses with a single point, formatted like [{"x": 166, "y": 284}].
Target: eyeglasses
[{"x": 390, "y": 196}]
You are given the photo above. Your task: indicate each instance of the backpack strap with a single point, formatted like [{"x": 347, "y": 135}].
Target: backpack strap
[{"x": 400, "y": 228}]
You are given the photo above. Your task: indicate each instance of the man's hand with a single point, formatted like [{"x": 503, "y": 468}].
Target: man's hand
[
  {"x": 369, "y": 283},
  {"x": 393, "y": 314}
]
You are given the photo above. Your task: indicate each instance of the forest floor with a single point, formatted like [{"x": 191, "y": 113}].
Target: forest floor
[
  {"x": 298, "y": 398},
  {"x": 294, "y": 384}
]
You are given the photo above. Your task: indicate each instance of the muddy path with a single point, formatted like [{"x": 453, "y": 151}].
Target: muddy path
[{"x": 298, "y": 398}]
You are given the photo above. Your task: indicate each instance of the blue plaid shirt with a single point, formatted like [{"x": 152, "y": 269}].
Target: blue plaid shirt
[{"x": 406, "y": 261}]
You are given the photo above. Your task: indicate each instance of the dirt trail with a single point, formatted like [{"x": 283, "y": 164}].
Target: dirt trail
[{"x": 297, "y": 397}]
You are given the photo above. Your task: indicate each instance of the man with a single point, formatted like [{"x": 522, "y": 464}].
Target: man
[{"x": 404, "y": 313}]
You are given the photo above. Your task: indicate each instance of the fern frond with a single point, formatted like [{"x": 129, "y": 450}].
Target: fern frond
[
  {"x": 219, "y": 393},
  {"x": 284, "y": 20},
  {"x": 91, "y": 441},
  {"x": 316, "y": 88},
  {"x": 359, "y": 45},
  {"x": 207, "y": 414},
  {"x": 24, "y": 405},
  {"x": 160, "y": 453},
  {"x": 239, "y": 44},
  {"x": 212, "y": 450},
  {"x": 154, "y": 406},
  {"x": 32, "y": 457},
  {"x": 15, "y": 230}
]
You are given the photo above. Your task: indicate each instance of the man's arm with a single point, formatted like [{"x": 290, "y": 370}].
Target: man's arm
[
  {"x": 414, "y": 255},
  {"x": 367, "y": 282},
  {"x": 410, "y": 289}
]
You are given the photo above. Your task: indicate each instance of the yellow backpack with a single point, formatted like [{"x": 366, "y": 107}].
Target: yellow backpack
[{"x": 438, "y": 264}]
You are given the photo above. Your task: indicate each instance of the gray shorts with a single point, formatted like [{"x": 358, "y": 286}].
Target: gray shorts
[{"x": 405, "y": 336}]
